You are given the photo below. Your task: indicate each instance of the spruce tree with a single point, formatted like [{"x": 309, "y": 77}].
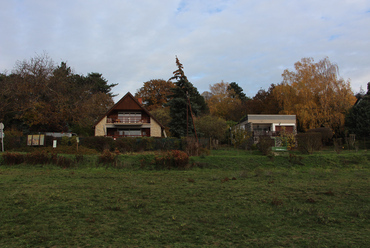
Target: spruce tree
[
  {"x": 237, "y": 92},
  {"x": 358, "y": 117},
  {"x": 185, "y": 100}
]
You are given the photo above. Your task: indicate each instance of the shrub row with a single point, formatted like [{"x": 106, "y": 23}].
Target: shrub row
[
  {"x": 307, "y": 142},
  {"x": 166, "y": 160},
  {"x": 123, "y": 145},
  {"x": 172, "y": 159},
  {"x": 326, "y": 134},
  {"x": 39, "y": 157},
  {"x": 128, "y": 144}
]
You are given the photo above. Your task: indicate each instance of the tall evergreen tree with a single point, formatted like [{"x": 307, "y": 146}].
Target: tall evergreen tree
[
  {"x": 185, "y": 101},
  {"x": 237, "y": 92},
  {"x": 358, "y": 117}
]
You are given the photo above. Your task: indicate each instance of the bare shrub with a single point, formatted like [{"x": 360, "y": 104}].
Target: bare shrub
[
  {"x": 64, "y": 162},
  {"x": 204, "y": 152},
  {"x": 172, "y": 159},
  {"x": 126, "y": 144},
  {"x": 12, "y": 158},
  {"x": 98, "y": 143},
  {"x": 326, "y": 134},
  {"x": 241, "y": 138},
  {"x": 79, "y": 158},
  {"x": 265, "y": 143},
  {"x": 309, "y": 142},
  {"x": 190, "y": 146},
  {"x": 38, "y": 157},
  {"x": 294, "y": 159},
  {"x": 288, "y": 139},
  {"x": 107, "y": 157},
  {"x": 338, "y": 145}
]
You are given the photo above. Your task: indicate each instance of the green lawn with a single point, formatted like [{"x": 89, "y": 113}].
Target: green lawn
[{"x": 234, "y": 199}]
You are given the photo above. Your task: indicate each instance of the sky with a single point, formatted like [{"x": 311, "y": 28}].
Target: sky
[{"x": 250, "y": 42}]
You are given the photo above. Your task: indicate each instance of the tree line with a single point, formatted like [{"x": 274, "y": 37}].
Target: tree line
[
  {"x": 313, "y": 91},
  {"x": 41, "y": 96}
]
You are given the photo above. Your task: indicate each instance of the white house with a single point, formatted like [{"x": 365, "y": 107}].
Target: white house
[{"x": 270, "y": 125}]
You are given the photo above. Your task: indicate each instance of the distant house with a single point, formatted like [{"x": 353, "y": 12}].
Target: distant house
[
  {"x": 128, "y": 118},
  {"x": 270, "y": 125}
]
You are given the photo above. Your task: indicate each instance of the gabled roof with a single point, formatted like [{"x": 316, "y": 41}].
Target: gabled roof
[{"x": 135, "y": 105}]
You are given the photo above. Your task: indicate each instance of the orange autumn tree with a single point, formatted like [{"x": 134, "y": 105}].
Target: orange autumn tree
[
  {"x": 155, "y": 93},
  {"x": 316, "y": 94},
  {"x": 222, "y": 104}
]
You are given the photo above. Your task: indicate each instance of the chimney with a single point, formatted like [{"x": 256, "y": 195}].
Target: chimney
[{"x": 140, "y": 100}]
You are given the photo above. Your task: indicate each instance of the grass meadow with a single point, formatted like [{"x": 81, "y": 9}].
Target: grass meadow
[{"x": 230, "y": 198}]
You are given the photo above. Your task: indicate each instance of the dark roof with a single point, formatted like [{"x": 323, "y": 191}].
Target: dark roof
[{"x": 136, "y": 101}]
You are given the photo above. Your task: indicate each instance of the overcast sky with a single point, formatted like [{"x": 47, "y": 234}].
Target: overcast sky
[{"x": 133, "y": 41}]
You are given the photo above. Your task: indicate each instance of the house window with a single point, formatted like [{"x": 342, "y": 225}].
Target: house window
[
  {"x": 129, "y": 117},
  {"x": 130, "y": 132}
]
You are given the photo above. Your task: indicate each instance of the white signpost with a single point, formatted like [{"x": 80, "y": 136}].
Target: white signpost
[{"x": 2, "y": 136}]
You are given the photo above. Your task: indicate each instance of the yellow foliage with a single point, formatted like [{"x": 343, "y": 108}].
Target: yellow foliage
[
  {"x": 288, "y": 139},
  {"x": 221, "y": 103},
  {"x": 315, "y": 94},
  {"x": 240, "y": 136}
]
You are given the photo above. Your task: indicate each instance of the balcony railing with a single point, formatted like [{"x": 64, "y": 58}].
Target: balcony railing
[
  {"x": 267, "y": 133},
  {"x": 128, "y": 120}
]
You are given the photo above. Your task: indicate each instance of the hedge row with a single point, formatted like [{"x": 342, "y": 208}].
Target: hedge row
[
  {"x": 164, "y": 160},
  {"x": 126, "y": 144},
  {"x": 40, "y": 158},
  {"x": 100, "y": 144}
]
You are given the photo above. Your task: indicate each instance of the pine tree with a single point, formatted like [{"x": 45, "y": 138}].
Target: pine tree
[
  {"x": 185, "y": 101},
  {"x": 237, "y": 92},
  {"x": 358, "y": 117}
]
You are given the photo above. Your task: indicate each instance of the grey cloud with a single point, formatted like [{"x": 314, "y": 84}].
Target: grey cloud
[{"x": 130, "y": 42}]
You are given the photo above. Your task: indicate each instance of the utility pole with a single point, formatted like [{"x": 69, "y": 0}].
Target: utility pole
[
  {"x": 2, "y": 136},
  {"x": 187, "y": 114},
  {"x": 192, "y": 118}
]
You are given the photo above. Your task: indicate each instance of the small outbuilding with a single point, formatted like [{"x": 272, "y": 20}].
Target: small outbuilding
[{"x": 270, "y": 125}]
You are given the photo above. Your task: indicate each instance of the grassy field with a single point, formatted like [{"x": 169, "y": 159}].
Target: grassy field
[{"x": 231, "y": 199}]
